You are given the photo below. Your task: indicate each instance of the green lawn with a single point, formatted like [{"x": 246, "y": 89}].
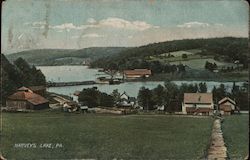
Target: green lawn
[
  {"x": 235, "y": 130},
  {"x": 105, "y": 136}
]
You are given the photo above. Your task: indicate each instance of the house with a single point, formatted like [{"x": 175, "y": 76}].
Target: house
[
  {"x": 198, "y": 103},
  {"x": 126, "y": 101},
  {"x": 26, "y": 99},
  {"x": 227, "y": 106},
  {"x": 137, "y": 73}
]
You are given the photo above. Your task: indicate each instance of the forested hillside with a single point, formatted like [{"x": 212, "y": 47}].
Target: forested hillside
[
  {"x": 224, "y": 49},
  {"x": 18, "y": 74},
  {"x": 64, "y": 56}
]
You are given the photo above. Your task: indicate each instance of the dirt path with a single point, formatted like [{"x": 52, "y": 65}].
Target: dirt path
[{"x": 217, "y": 149}]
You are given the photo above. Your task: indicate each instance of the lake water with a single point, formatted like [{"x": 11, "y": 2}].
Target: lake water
[{"x": 83, "y": 73}]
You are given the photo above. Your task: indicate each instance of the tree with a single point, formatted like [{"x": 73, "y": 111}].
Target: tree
[
  {"x": 90, "y": 96},
  {"x": 219, "y": 93},
  {"x": 22, "y": 65},
  {"x": 171, "y": 92},
  {"x": 202, "y": 87},
  {"x": 116, "y": 95},
  {"x": 235, "y": 89},
  {"x": 145, "y": 99},
  {"x": 93, "y": 98},
  {"x": 158, "y": 94},
  {"x": 184, "y": 56},
  {"x": 112, "y": 69},
  {"x": 210, "y": 66},
  {"x": 106, "y": 100}
]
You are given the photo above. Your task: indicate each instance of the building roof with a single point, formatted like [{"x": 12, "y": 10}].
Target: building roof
[
  {"x": 24, "y": 93},
  {"x": 199, "y": 98},
  {"x": 138, "y": 72},
  {"x": 227, "y": 99},
  {"x": 124, "y": 96},
  {"x": 24, "y": 89}
]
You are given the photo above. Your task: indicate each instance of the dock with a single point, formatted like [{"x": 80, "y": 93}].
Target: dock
[{"x": 62, "y": 84}]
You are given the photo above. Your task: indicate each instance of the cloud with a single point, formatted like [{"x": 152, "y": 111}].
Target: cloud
[
  {"x": 193, "y": 24},
  {"x": 198, "y": 25},
  {"x": 68, "y": 27},
  {"x": 110, "y": 22},
  {"x": 124, "y": 24},
  {"x": 90, "y": 35},
  {"x": 64, "y": 26}
]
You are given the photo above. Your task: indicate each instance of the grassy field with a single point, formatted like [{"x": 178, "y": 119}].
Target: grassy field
[
  {"x": 235, "y": 130},
  {"x": 105, "y": 136}
]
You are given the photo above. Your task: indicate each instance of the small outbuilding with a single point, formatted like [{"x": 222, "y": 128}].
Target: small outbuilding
[
  {"x": 227, "y": 106},
  {"x": 26, "y": 99}
]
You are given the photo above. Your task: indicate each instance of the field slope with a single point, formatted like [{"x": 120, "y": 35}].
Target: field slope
[{"x": 105, "y": 137}]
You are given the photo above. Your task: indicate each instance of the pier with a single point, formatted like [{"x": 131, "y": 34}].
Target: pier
[{"x": 62, "y": 84}]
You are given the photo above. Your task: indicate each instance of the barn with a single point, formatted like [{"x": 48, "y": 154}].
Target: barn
[
  {"x": 136, "y": 73},
  {"x": 26, "y": 99}
]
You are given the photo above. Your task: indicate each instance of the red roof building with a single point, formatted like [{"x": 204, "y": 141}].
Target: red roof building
[
  {"x": 25, "y": 98},
  {"x": 137, "y": 73}
]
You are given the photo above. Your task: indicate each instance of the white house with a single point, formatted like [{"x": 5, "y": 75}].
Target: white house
[
  {"x": 126, "y": 101},
  {"x": 198, "y": 103}
]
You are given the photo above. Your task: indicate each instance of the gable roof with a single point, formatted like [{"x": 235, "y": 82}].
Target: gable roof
[
  {"x": 124, "y": 94},
  {"x": 227, "y": 99},
  {"x": 24, "y": 89},
  {"x": 200, "y": 98},
  {"x": 24, "y": 93},
  {"x": 137, "y": 72}
]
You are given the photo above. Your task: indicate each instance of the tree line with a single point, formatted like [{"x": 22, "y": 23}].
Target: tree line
[
  {"x": 155, "y": 66},
  {"x": 169, "y": 95}
]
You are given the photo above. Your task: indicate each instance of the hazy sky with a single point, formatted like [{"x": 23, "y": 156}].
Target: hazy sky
[{"x": 32, "y": 24}]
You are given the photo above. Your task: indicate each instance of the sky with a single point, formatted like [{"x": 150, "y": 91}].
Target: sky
[{"x": 75, "y": 24}]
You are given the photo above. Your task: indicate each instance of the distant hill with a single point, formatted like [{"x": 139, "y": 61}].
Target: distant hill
[
  {"x": 64, "y": 56},
  {"x": 226, "y": 49}
]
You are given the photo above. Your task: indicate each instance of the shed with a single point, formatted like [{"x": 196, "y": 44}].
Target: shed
[{"x": 227, "y": 106}]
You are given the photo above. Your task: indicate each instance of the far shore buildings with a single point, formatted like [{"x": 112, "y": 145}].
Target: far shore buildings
[
  {"x": 26, "y": 99},
  {"x": 136, "y": 73},
  {"x": 198, "y": 104}
]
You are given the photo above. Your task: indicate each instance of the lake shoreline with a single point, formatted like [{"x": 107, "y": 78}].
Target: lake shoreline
[{"x": 221, "y": 77}]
